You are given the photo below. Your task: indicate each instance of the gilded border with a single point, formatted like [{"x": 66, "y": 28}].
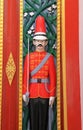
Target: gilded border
[
  {"x": 64, "y": 62},
  {"x": 1, "y": 54},
  {"x": 20, "y": 64},
  {"x": 58, "y": 65}
]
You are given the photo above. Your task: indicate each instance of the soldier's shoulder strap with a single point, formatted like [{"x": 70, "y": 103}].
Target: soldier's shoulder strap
[{"x": 41, "y": 64}]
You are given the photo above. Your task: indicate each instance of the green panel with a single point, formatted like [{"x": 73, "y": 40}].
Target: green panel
[{"x": 46, "y": 8}]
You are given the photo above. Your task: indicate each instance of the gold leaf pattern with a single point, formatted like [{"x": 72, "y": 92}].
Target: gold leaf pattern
[{"x": 10, "y": 69}]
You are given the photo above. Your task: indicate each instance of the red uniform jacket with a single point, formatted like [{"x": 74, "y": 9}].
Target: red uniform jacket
[{"x": 48, "y": 70}]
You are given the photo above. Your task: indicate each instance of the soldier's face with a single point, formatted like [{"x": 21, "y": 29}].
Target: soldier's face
[{"x": 40, "y": 44}]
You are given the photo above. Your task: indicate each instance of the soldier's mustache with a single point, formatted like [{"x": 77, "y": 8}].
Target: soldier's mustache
[{"x": 40, "y": 45}]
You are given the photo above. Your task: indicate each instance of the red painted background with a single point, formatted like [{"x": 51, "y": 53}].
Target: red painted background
[
  {"x": 72, "y": 65},
  {"x": 10, "y": 45}
]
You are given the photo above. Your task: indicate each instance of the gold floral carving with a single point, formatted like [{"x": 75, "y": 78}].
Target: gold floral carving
[{"x": 10, "y": 69}]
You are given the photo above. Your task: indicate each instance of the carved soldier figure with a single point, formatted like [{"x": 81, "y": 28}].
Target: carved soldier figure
[{"x": 39, "y": 78}]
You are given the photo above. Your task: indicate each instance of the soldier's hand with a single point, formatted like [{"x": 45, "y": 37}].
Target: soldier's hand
[
  {"x": 26, "y": 98},
  {"x": 51, "y": 101}
]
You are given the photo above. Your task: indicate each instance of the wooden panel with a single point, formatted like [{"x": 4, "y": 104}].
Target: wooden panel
[
  {"x": 10, "y": 45},
  {"x": 72, "y": 65}
]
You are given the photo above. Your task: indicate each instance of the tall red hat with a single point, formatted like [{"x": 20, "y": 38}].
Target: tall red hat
[{"x": 40, "y": 29}]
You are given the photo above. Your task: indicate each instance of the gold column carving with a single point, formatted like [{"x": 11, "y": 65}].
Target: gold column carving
[
  {"x": 20, "y": 64},
  {"x": 63, "y": 47},
  {"x": 1, "y": 54},
  {"x": 58, "y": 64}
]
